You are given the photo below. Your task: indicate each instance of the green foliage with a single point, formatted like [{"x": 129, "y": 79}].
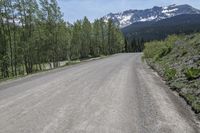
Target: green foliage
[
  {"x": 158, "y": 49},
  {"x": 184, "y": 52},
  {"x": 192, "y": 73},
  {"x": 196, "y": 106},
  {"x": 190, "y": 98},
  {"x": 171, "y": 60},
  {"x": 177, "y": 85},
  {"x": 115, "y": 39},
  {"x": 193, "y": 101},
  {"x": 86, "y": 38},
  {"x": 151, "y": 49},
  {"x": 41, "y": 36},
  {"x": 169, "y": 73}
]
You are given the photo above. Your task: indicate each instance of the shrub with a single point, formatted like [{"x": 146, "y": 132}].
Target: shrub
[
  {"x": 190, "y": 98},
  {"x": 164, "y": 51},
  {"x": 170, "y": 73},
  {"x": 196, "y": 107},
  {"x": 184, "y": 52},
  {"x": 192, "y": 73},
  {"x": 159, "y": 49},
  {"x": 151, "y": 49}
]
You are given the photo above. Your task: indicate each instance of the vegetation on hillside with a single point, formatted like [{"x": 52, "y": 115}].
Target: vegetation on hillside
[
  {"x": 33, "y": 32},
  {"x": 177, "y": 59}
]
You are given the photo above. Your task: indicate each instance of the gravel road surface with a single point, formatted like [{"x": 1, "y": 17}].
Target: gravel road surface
[{"x": 118, "y": 94}]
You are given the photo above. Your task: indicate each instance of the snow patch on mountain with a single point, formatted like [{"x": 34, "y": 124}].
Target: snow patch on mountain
[
  {"x": 148, "y": 19},
  {"x": 168, "y": 11}
]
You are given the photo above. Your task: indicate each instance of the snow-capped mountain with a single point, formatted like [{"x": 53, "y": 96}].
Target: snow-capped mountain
[{"x": 156, "y": 13}]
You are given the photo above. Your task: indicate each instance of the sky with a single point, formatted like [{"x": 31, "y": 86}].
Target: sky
[{"x": 93, "y": 9}]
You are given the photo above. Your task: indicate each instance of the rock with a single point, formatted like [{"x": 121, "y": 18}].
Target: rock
[
  {"x": 198, "y": 92},
  {"x": 196, "y": 58},
  {"x": 184, "y": 90}
]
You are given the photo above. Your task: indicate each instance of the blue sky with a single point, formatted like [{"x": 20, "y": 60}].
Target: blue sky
[{"x": 77, "y": 9}]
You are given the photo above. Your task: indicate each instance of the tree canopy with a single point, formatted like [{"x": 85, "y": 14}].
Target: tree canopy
[{"x": 33, "y": 33}]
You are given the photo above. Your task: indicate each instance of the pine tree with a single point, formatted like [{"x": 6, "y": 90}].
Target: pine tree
[
  {"x": 104, "y": 43},
  {"x": 76, "y": 40},
  {"x": 86, "y": 38},
  {"x": 96, "y": 38}
]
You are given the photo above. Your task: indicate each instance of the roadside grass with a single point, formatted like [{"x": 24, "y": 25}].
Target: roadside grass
[{"x": 177, "y": 60}]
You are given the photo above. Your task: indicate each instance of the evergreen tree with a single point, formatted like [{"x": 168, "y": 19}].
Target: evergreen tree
[
  {"x": 103, "y": 32},
  {"x": 76, "y": 40},
  {"x": 96, "y": 38},
  {"x": 86, "y": 38}
]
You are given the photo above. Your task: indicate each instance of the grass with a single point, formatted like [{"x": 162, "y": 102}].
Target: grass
[
  {"x": 170, "y": 73},
  {"x": 192, "y": 73},
  {"x": 72, "y": 62}
]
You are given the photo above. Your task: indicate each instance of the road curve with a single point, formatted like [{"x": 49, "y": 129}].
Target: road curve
[{"x": 118, "y": 94}]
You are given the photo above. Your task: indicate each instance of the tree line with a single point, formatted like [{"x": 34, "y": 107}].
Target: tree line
[
  {"x": 33, "y": 32},
  {"x": 134, "y": 44}
]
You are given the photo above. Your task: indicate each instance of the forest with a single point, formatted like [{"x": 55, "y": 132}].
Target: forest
[
  {"x": 134, "y": 44},
  {"x": 33, "y": 32}
]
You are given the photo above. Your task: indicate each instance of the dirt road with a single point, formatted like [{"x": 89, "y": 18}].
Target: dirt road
[{"x": 118, "y": 94}]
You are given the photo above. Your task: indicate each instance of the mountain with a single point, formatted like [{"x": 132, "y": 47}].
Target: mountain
[
  {"x": 151, "y": 30},
  {"x": 156, "y": 13}
]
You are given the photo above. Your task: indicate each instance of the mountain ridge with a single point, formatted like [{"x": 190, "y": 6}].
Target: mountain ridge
[
  {"x": 151, "y": 30},
  {"x": 156, "y": 13}
]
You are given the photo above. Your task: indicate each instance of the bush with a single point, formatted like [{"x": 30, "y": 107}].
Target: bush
[
  {"x": 190, "y": 98},
  {"x": 170, "y": 73},
  {"x": 159, "y": 49},
  {"x": 192, "y": 73},
  {"x": 196, "y": 107},
  {"x": 151, "y": 49},
  {"x": 164, "y": 51},
  {"x": 184, "y": 52},
  {"x": 193, "y": 101}
]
